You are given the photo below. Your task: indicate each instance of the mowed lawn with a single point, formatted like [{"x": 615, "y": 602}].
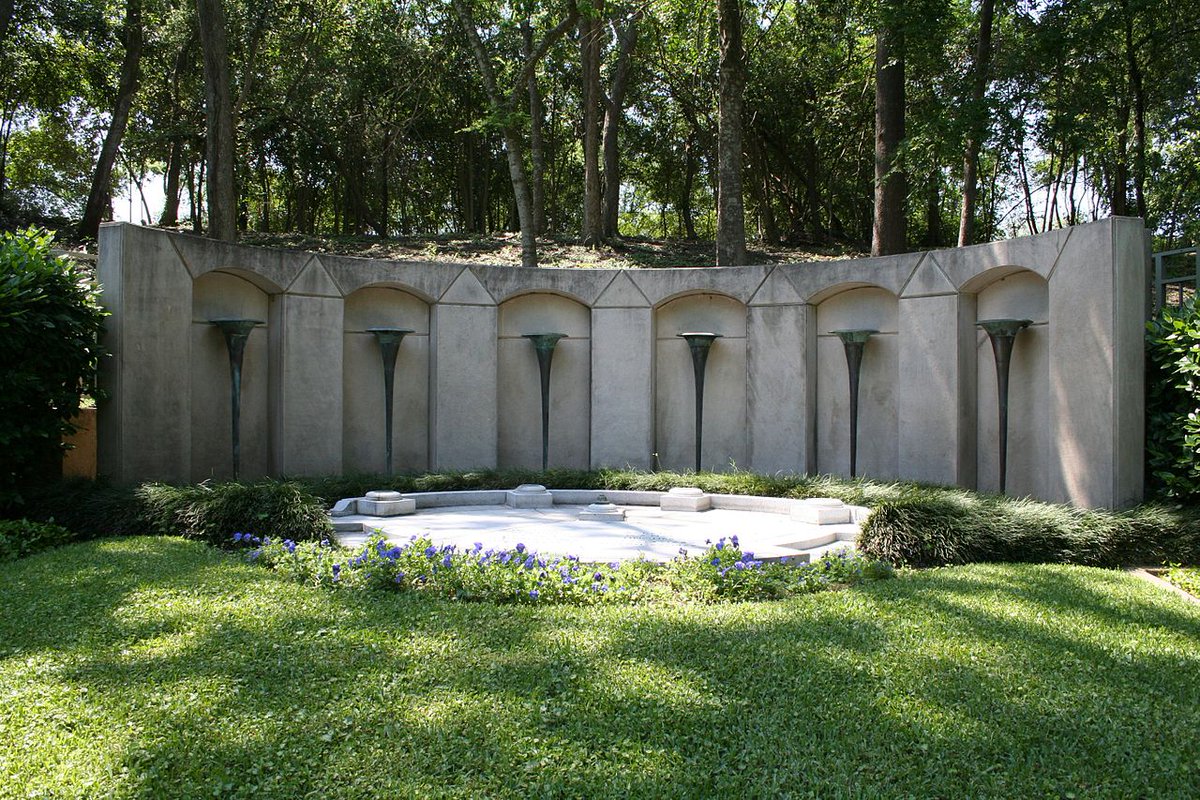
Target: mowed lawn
[{"x": 157, "y": 667}]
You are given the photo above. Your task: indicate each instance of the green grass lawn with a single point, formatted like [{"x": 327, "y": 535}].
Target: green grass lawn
[{"x": 162, "y": 668}]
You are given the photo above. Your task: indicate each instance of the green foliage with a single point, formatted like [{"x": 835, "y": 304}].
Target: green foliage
[
  {"x": 213, "y": 512},
  {"x": 928, "y": 529},
  {"x": 1173, "y": 403},
  {"x": 20, "y": 537},
  {"x": 1186, "y": 578},
  {"x": 724, "y": 572},
  {"x": 50, "y": 324},
  {"x": 156, "y": 667}
]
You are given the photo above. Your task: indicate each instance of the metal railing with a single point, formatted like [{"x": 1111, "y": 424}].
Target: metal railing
[{"x": 1175, "y": 279}]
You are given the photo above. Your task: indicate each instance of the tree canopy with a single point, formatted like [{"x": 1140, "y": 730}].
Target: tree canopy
[{"x": 602, "y": 118}]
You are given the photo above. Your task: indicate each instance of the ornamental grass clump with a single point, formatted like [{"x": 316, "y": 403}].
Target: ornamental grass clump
[{"x": 520, "y": 575}]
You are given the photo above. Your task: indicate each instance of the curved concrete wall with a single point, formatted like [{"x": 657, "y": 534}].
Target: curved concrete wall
[{"x": 467, "y": 392}]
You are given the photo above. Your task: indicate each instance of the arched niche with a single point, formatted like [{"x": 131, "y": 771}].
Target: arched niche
[
  {"x": 364, "y": 448},
  {"x": 858, "y": 307},
  {"x": 227, "y": 295},
  {"x": 725, "y": 440},
  {"x": 519, "y": 393},
  {"x": 1014, "y": 294}
]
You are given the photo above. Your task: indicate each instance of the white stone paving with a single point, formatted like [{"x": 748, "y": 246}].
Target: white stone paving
[{"x": 647, "y": 531}]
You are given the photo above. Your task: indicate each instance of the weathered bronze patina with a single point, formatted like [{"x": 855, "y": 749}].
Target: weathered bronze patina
[
  {"x": 699, "y": 343},
  {"x": 389, "y": 347},
  {"x": 543, "y": 345},
  {"x": 236, "y": 332}
]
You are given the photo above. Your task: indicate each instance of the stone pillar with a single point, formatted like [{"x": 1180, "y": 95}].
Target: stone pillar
[
  {"x": 306, "y": 375},
  {"x": 463, "y": 408},
  {"x": 1097, "y": 364},
  {"x": 780, "y": 379},
  {"x": 145, "y": 423},
  {"x": 936, "y": 391},
  {"x": 622, "y": 377}
]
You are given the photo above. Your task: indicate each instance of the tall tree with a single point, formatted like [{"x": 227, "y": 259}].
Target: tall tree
[
  {"x": 731, "y": 223},
  {"x": 614, "y": 111},
  {"x": 977, "y": 112},
  {"x": 503, "y": 105},
  {"x": 218, "y": 106},
  {"x": 589, "y": 47},
  {"x": 889, "y": 225},
  {"x": 98, "y": 196}
]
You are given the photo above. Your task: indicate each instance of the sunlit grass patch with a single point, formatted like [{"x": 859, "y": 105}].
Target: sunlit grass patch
[{"x": 157, "y": 667}]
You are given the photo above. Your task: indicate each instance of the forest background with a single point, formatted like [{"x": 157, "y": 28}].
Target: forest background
[{"x": 870, "y": 124}]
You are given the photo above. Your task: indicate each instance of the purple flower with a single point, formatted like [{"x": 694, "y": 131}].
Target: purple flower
[
  {"x": 430, "y": 551},
  {"x": 478, "y": 546},
  {"x": 613, "y": 565},
  {"x": 734, "y": 540},
  {"x": 720, "y": 545},
  {"x": 715, "y": 562},
  {"x": 337, "y": 570},
  {"x": 599, "y": 576},
  {"x": 446, "y": 560},
  {"x": 529, "y": 562},
  {"x": 533, "y": 594},
  {"x": 520, "y": 547},
  {"x": 399, "y": 576},
  {"x": 739, "y": 566},
  {"x": 505, "y": 557},
  {"x": 237, "y": 537}
]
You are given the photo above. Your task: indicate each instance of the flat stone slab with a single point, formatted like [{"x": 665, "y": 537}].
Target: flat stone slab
[
  {"x": 685, "y": 498},
  {"x": 603, "y": 512},
  {"x": 821, "y": 511},
  {"x": 529, "y": 495},
  {"x": 386, "y": 508}
]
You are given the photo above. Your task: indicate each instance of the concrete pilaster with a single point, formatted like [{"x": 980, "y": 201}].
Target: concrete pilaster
[{"x": 145, "y": 422}]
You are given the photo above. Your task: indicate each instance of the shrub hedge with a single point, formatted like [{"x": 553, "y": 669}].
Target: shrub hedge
[{"x": 1173, "y": 403}]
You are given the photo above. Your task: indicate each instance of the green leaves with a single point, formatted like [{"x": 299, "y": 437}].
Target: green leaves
[{"x": 49, "y": 354}]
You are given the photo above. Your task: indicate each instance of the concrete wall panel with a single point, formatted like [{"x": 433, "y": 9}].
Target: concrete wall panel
[
  {"x": 520, "y": 394},
  {"x": 363, "y": 446},
  {"x": 867, "y": 308},
  {"x": 217, "y": 295},
  {"x": 622, "y": 387},
  {"x": 776, "y": 390},
  {"x": 724, "y": 434}
]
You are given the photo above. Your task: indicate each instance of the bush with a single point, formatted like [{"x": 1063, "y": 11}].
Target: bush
[
  {"x": 50, "y": 324},
  {"x": 1173, "y": 403},
  {"x": 722, "y": 573},
  {"x": 21, "y": 537},
  {"x": 213, "y": 512},
  {"x": 927, "y": 529}
]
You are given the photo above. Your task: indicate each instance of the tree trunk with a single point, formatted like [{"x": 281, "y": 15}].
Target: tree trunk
[
  {"x": 888, "y": 230},
  {"x": 983, "y": 59},
  {"x": 589, "y": 51},
  {"x": 537, "y": 147},
  {"x": 689, "y": 182},
  {"x": 1119, "y": 178},
  {"x": 169, "y": 217},
  {"x": 1139, "y": 114},
  {"x": 218, "y": 107},
  {"x": 614, "y": 109},
  {"x": 731, "y": 224},
  {"x": 505, "y": 104},
  {"x": 97, "y": 201}
]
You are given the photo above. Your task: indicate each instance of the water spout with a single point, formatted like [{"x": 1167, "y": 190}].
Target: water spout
[
  {"x": 1003, "y": 333},
  {"x": 699, "y": 344},
  {"x": 236, "y": 332},
  {"x": 543, "y": 344},
  {"x": 854, "y": 341},
  {"x": 389, "y": 346}
]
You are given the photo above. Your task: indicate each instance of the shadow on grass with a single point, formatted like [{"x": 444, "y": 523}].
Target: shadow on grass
[{"x": 988, "y": 681}]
